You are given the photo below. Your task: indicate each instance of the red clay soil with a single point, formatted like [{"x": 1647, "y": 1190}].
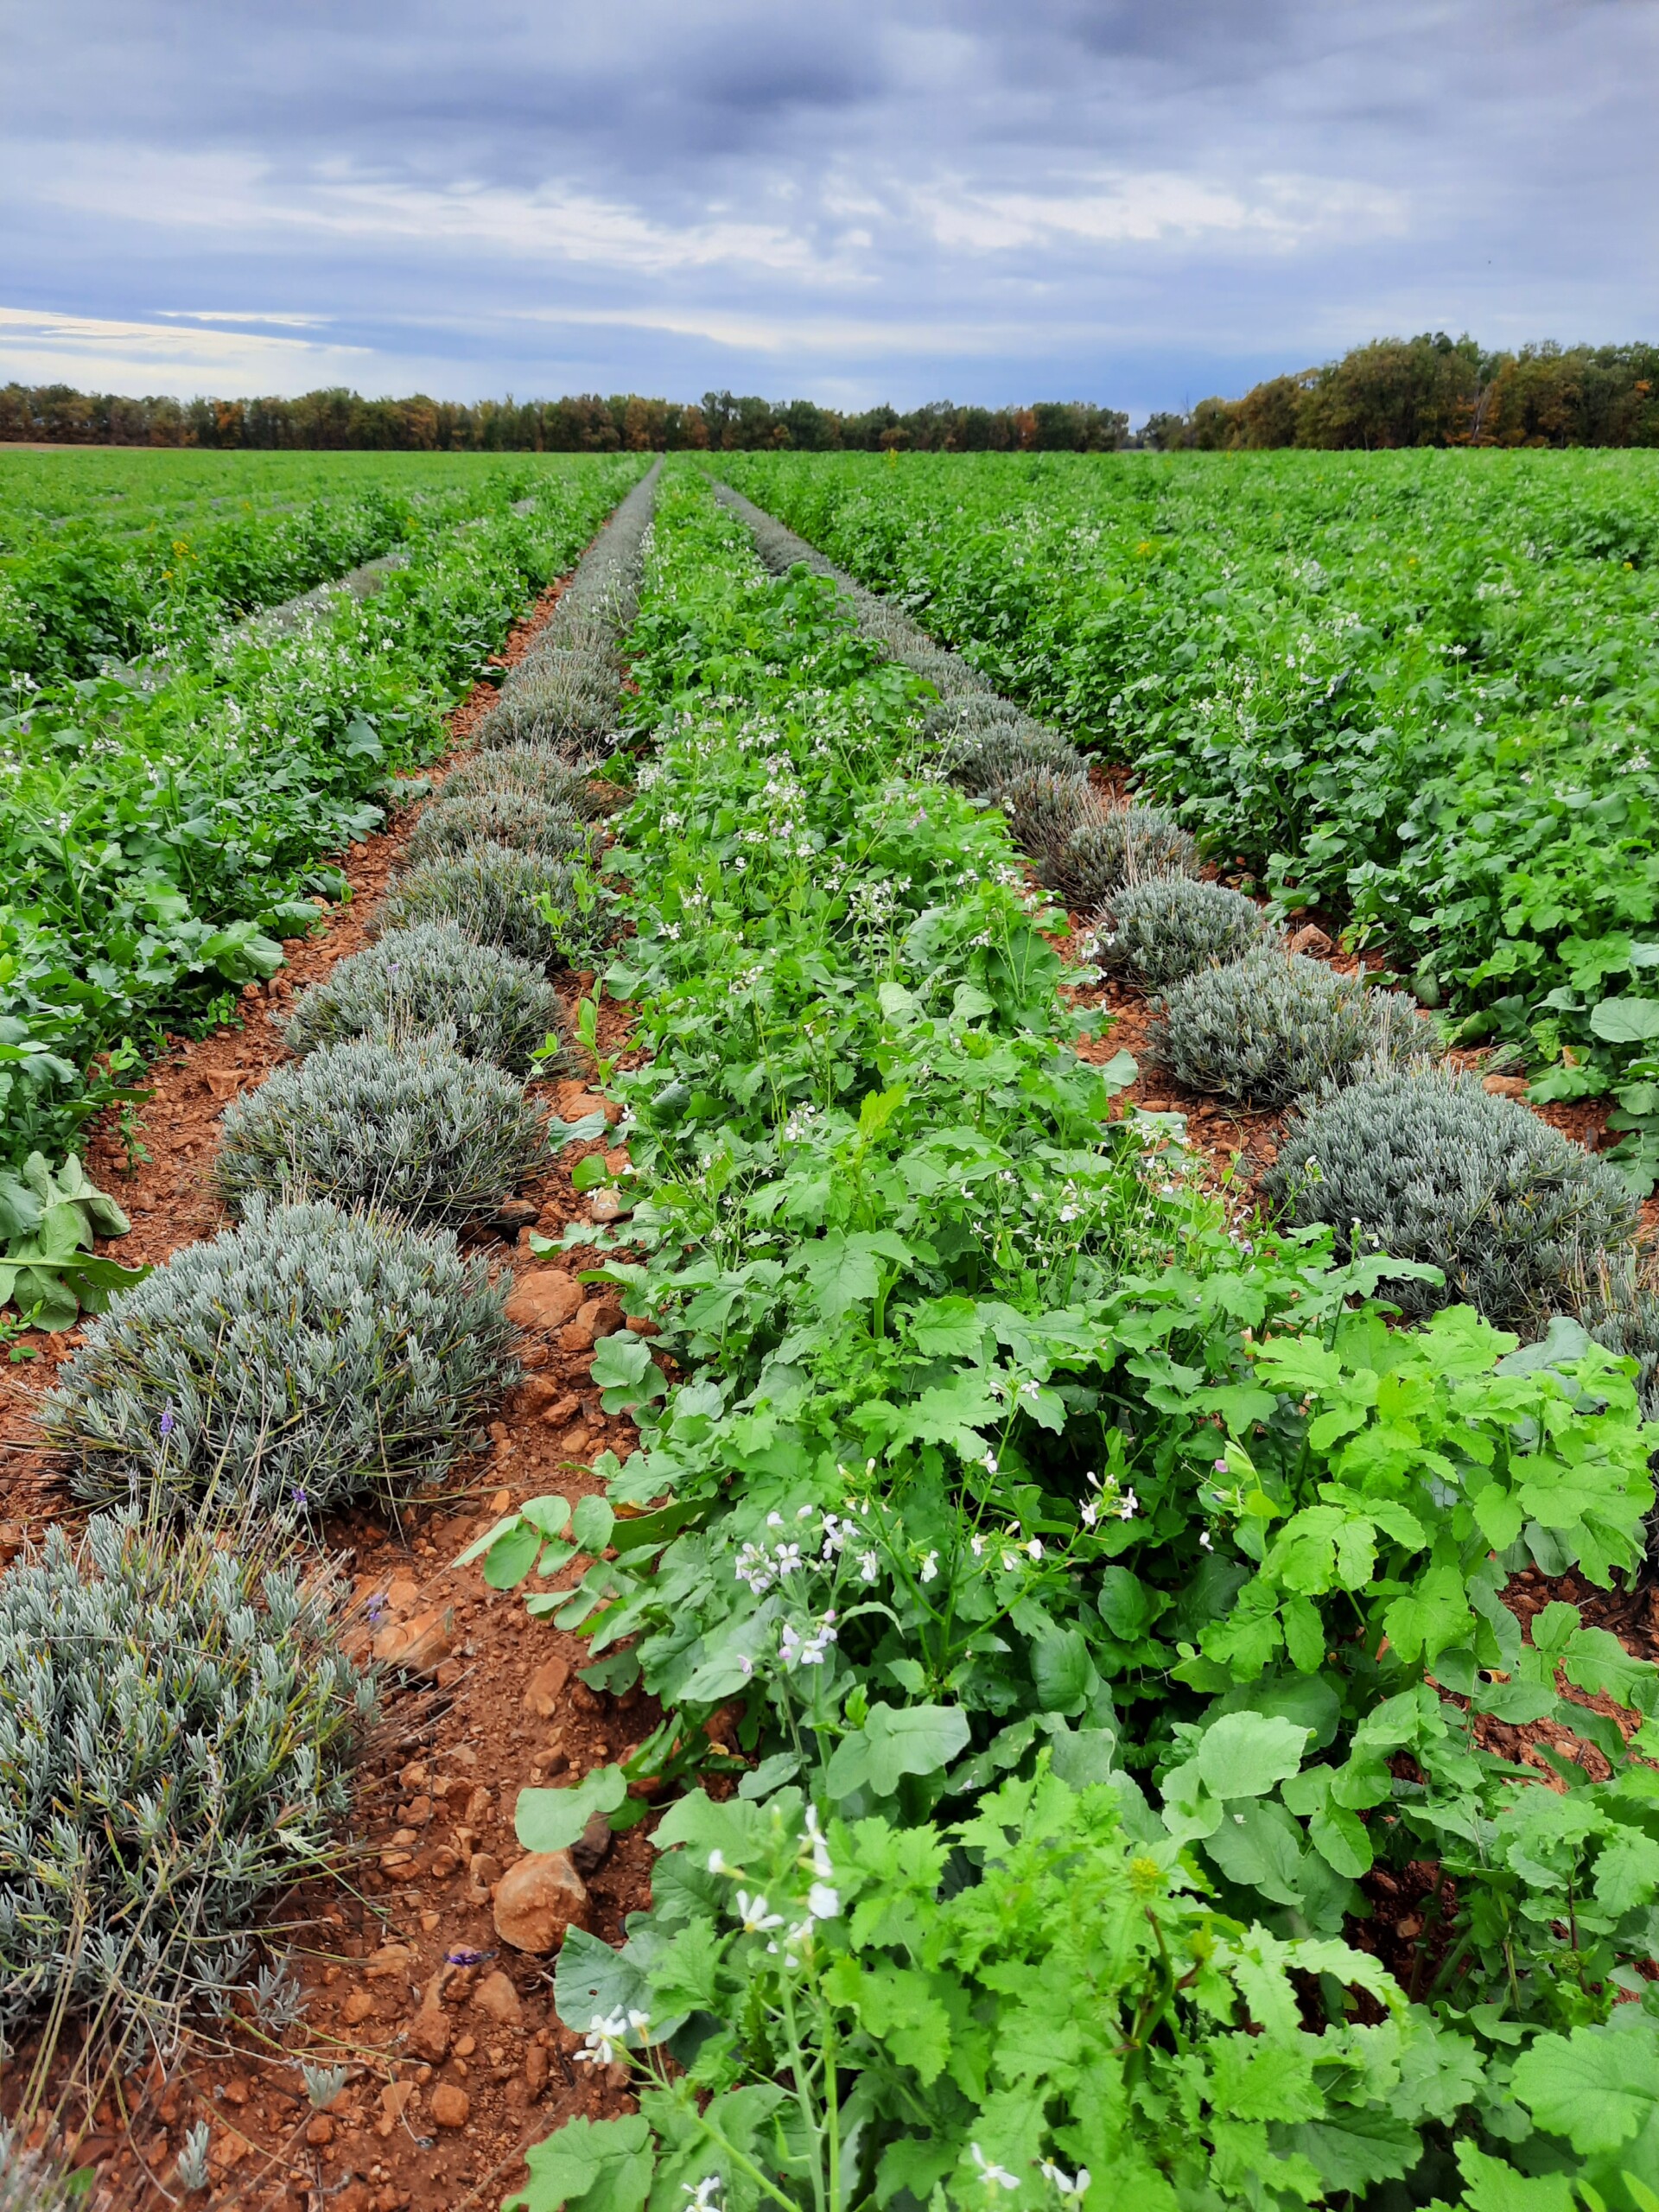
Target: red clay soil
[{"x": 454, "y": 2058}]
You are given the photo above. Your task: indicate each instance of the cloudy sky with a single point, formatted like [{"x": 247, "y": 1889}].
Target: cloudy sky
[{"x": 1134, "y": 201}]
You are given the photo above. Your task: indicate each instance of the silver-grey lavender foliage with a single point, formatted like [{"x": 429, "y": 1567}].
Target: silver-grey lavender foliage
[
  {"x": 1170, "y": 927},
  {"x": 1044, "y": 807},
  {"x": 538, "y": 910},
  {"x": 566, "y": 692},
  {"x": 414, "y": 1129},
  {"x": 1265, "y": 1029},
  {"x": 980, "y": 756},
  {"x": 453, "y": 824},
  {"x": 538, "y": 772},
  {"x": 1109, "y": 846},
  {"x": 433, "y": 976},
  {"x": 175, "y": 1725},
  {"x": 307, "y": 1359},
  {"x": 31, "y": 2180},
  {"x": 1426, "y": 1166}
]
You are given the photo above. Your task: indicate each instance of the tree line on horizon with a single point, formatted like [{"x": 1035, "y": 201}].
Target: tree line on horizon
[{"x": 1427, "y": 390}]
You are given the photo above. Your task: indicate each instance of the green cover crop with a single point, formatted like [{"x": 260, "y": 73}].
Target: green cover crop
[
  {"x": 160, "y": 838},
  {"x": 1106, "y": 1607},
  {"x": 1419, "y": 691}
]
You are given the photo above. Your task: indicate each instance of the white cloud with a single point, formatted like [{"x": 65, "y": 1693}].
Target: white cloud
[
  {"x": 240, "y": 315},
  {"x": 1156, "y": 207},
  {"x": 779, "y": 334},
  {"x": 556, "y": 222},
  {"x": 39, "y": 347}
]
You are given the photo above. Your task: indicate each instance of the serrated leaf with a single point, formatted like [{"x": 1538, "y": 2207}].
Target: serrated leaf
[
  {"x": 1598, "y": 2086},
  {"x": 1625, "y": 1020}
]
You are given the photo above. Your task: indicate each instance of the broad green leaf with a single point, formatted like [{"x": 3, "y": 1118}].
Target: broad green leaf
[
  {"x": 552, "y": 1819},
  {"x": 1598, "y": 2086},
  {"x": 1244, "y": 1754},
  {"x": 1625, "y": 1020},
  {"x": 1352, "y": 2146},
  {"x": 1432, "y": 1616},
  {"x": 591, "y": 1525},
  {"x": 1493, "y": 2185},
  {"x": 947, "y": 1328},
  {"x": 1254, "y": 2077},
  {"x": 894, "y": 1742},
  {"x": 1257, "y": 1845},
  {"x": 771, "y": 1773},
  {"x": 1062, "y": 1670},
  {"x": 1342, "y": 1839},
  {"x": 1627, "y": 1871},
  {"x": 588, "y": 2165},
  {"x": 624, "y": 1371},
  {"x": 513, "y": 1555},
  {"x": 479, "y": 1545}
]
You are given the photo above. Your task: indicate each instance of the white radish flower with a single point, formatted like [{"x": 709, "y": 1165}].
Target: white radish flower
[
  {"x": 1072, "y": 2188},
  {"x": 993, "y": 2176},
  {"x": 603, "y": 2040}
]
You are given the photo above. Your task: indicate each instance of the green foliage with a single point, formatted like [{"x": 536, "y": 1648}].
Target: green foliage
[
  {"x": 1271, "y": 1025},
  {"x": 1425, "y": 1166},
  {"x": 411, "y": 1128},
  {"x": 306, "y": 1359},
  {"x": 540, "y": 912},
  {"x": 1414, "y": 689},
  {"x": 48, "y": 1267},
  {"x": 168, "y": 834},
  {"x": 175, "y": 1725},
  {"x": 993, "y": 1460},
  {"x": 1170, "y": 927},
  {"x": 429, "y": 975},
  {"x": 1071, "y": 2020}
]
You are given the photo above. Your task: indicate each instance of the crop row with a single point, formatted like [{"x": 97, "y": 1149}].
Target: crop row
[
  {"x": 1416, "y": 690},
  {"x": 335, "y": 1345},
  {"x": 162, "y": 840},
  {"x": 103, "y": 570},
  {"x": 1089, "y": 1619}
]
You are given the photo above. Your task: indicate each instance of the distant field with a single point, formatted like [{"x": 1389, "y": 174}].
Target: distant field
[
  {"x": 107, "y": 552},
  {"x": 1416, "y": 691},
  {"x": 171, "y": 784}
]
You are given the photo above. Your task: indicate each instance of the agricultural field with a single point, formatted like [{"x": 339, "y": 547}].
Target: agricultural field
[
  {"x": 989, "y": 1658},
  {"x": 170, "y": 821},
  {"x": 1416, "y": 693},
  {"x": 108, "y": 556}
]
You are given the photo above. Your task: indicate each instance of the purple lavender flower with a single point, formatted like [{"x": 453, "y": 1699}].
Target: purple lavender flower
[
  {"x": 465, "y": 1957},
  {"x": 167, "y": 1419}
]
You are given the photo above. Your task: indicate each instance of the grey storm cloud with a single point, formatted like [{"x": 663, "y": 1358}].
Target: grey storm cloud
[{"x": 1115, "y": 200}]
